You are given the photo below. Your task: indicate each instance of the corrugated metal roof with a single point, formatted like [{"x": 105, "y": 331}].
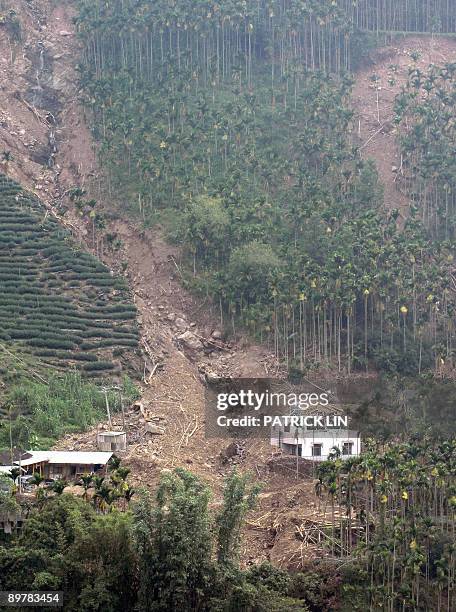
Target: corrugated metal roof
[
  {"x": 4, "y": 469},
  {"x": 66, "y": 457}
]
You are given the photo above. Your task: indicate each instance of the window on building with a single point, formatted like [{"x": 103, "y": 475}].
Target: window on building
[
  {"x": 347, "y": 448},
  {"x": 316, "y": 450}
]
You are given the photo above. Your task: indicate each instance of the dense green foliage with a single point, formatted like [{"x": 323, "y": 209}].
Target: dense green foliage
[
  {"x": 393, "y": 534},
  {"x": 425, "y": 114},
  {"x": 429, "y": 16},
  {"x": 210, "y": 112},
  {"x": 397, "y": 522},
  {"x": 34, "y": 414},
  {"x": 156, "y": 556},
  {"x": 66, "y": 545},
  {"x": 211, "y": 40},
  {"x": 57, "y": 303}
]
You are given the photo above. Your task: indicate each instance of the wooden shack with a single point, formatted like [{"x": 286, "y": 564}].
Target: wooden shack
[{"x": 64, "y": 464}]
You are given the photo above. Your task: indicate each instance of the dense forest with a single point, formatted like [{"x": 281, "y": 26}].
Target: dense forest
[
  {"x": 111, "y": 554},
  {"x": 425, "y": 113},
  {"x": 390, "y": 545},
  {"x": 232, "y": 124},
  {"x": 400, "y": 502}
]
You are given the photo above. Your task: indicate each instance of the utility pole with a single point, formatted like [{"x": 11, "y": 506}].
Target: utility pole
[
  {"x": 124, "y": 425},
  {"x": 105, "y": 391}
]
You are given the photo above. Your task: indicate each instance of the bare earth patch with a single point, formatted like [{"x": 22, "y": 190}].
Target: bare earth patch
[
  {"x": 373, "y": 124},
  {"x": 39, "y": 107}
]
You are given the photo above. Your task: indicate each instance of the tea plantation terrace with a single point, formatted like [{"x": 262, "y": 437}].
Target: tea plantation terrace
[{"x": 58, "y": 304}]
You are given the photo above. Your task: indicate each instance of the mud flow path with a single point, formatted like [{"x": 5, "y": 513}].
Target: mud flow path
[{"x": 42, "y": 125}]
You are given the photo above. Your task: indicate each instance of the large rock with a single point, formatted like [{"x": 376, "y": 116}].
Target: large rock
[
  {"x": 156, "y": 430},
  {"x": 233, "y": 453},
  {"x": 190, "y": 341}
]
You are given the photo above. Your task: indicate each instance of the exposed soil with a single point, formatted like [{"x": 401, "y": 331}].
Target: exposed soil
[
  {"x": 42, "y": 124},
  {"x": 374, "y": 127}
]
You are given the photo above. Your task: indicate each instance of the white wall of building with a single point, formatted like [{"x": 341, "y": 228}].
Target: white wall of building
[{"x": 317, "y": 445}]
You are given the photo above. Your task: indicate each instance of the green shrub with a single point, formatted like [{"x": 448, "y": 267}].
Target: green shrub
[
  {"x": 57, "y": 344},
  {"x": 40, "y": 270},
  {"x": 98, "y": 365},
  {"x": 269, "y": 576}
]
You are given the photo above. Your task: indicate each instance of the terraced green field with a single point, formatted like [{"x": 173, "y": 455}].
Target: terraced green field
[{"x": 60, "y": 307}]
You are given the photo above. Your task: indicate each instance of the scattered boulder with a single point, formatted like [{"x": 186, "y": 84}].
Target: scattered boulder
[
  {"x": 232, "y": 453},
  {"x": 217, "y": 334},
  {"x": 139, "y": 407},
  {"x": 211, "y": 377},
  {"x": 180, "y": 323},
  {"x": 154, "y": 429},
  {"x": 206, "y": 374},
  {"x": 65, "y": 33},
  {"x": 190, "y": 341}
]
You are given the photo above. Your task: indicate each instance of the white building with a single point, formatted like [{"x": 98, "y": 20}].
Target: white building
[{"x": 316, "y": 444}]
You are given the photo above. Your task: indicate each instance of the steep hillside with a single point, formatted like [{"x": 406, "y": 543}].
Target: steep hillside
[
  {"x": 240, "y": 135},
  {"x": 58, "y": 303},
  {"x": 166, "y": 311},
  {"x": 51, "y": 152},
  {"x": 377, "y": 84}
]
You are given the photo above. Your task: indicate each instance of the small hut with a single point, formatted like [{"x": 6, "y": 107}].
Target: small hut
[{"x": 112, "y": 440}]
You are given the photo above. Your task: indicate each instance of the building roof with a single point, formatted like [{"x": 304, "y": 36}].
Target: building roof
[
  {"x": 66, "y": 457},
  {"x": 4, "y": 469},
  {"x": 344, "y": 434},
  {"x": 111, "y": 433}
]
